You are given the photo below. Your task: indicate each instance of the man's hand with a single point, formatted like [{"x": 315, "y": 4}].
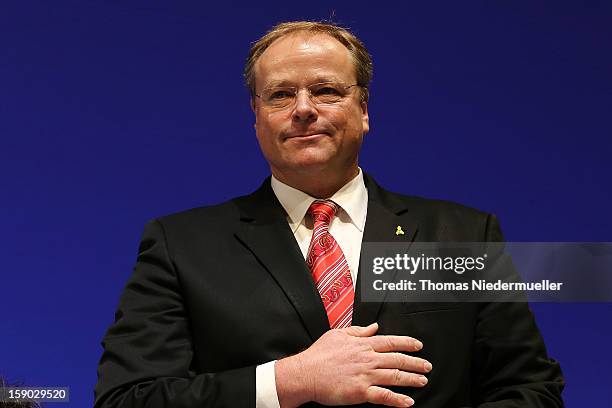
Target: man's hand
[{"x": 349, "y": 366}]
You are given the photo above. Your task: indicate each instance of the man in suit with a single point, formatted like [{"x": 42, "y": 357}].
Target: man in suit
[{"x": 256, "y": 302}]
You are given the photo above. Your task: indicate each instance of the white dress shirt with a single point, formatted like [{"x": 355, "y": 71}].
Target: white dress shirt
[{"x": 347, "y": 229}]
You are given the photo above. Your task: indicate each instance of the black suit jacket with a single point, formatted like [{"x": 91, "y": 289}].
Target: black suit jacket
[{"x": 218, "y": 290}]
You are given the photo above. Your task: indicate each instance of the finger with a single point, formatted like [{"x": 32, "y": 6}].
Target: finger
[
  {"x": 383, "y": 344},
  {"x": 383, "y": 396},
  {"x": 360, "y": 331},
  {"x": 398, "y": 378},
  {"x": 403, "y": 362}
]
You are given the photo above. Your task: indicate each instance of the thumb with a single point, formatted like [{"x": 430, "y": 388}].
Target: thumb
[{"x": 360, "y": 331}]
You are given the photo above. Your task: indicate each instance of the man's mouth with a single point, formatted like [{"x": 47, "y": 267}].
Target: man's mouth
[{"x": 307, "y": 135}]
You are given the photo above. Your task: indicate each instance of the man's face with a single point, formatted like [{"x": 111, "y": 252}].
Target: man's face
[{"x": 306, "y": 137}]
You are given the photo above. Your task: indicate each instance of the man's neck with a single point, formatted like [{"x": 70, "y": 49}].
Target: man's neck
[{"x": 318, "y": 185}]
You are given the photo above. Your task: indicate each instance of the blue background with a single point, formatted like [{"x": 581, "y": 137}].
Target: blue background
[{"x": 113, "y": 113}]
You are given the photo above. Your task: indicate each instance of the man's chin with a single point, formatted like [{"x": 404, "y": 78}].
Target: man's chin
[{"x": 311, "y": 160}]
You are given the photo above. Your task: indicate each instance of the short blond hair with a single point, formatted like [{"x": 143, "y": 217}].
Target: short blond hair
[{"x": 361, "y": 57}]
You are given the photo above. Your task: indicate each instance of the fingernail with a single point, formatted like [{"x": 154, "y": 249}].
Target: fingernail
[
  {"x": 423, "y": 380},
  {"x": 409, "y": 401},
  {"x": 427, "y": 366},
  {"x": 418, "y": 344}
]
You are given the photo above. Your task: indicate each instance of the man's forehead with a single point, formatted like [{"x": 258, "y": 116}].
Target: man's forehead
[
  {"x": 314, "y": 49},
  {"x": 305, "y": 40}
]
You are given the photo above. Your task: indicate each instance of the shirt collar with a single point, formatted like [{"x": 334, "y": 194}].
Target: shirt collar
[{"x": 352, "y": 198}]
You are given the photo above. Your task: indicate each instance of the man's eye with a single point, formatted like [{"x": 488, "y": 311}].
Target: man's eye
[
  {"x": 328, "y": 90},
  {"x": 279, "y": 95}
]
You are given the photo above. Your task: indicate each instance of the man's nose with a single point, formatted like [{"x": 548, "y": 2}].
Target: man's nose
[{"x": 305, "y": 109}]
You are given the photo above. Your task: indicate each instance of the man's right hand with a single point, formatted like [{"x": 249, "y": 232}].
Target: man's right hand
[{"x": 351, "y": 366}]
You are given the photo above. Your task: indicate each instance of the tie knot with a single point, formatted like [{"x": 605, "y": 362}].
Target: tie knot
[{"x": 323, "y": 211}]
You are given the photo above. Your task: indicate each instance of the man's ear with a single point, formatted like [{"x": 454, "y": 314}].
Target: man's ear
[
  {"x": 365, "y": 118},
  {"x": 364, "y": 107},
  {"x": 254, "y": 109}
]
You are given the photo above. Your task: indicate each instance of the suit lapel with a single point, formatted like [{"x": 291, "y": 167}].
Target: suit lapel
[
  {"x": 265, "y": 232},
  {"x": 385, "y": 213}
]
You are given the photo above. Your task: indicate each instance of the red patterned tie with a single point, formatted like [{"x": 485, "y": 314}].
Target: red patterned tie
[{"x": 329, "y": 268}]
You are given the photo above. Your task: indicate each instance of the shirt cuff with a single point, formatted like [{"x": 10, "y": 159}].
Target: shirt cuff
[{"x": 265, "y": 386}]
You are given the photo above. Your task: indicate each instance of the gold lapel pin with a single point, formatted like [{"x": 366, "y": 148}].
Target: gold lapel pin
[{"x": 399, "y": 230}]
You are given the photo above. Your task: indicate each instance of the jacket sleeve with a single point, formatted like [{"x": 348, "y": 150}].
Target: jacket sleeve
[
  {"x": 148, "y": 350},
  {"x": 511, "y": 365}
]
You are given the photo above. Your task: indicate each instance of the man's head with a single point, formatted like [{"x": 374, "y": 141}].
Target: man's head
[
  {"x": 308, "y": 84},
  {"x": 360, "y": 55}
]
